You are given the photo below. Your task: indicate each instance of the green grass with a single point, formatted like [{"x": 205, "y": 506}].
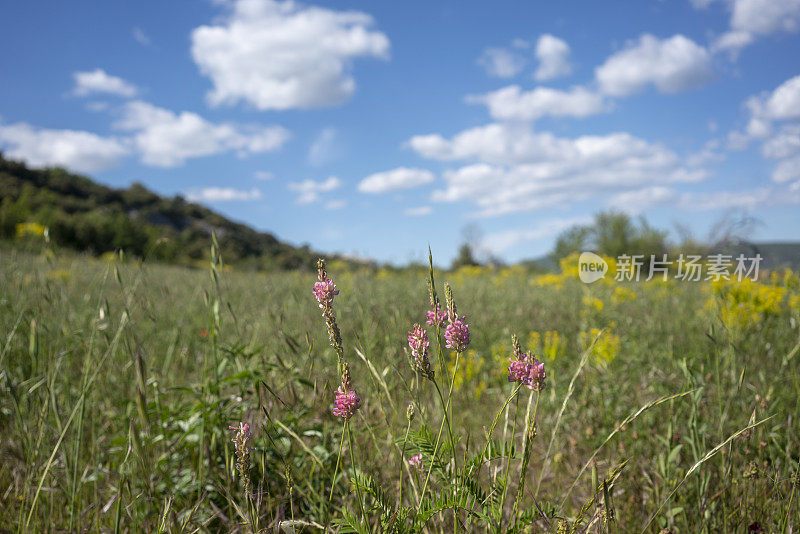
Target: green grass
[{"x": 118, "y": 382}]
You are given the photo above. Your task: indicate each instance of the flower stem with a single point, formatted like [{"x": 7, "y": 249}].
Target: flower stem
[{"x": 333, "y": 481}]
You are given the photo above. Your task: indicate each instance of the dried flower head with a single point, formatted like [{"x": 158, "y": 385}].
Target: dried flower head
[{"x": 242, "y": 442}]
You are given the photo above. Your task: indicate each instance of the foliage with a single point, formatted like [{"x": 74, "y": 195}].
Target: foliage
[{"x": 119, "y": 380}]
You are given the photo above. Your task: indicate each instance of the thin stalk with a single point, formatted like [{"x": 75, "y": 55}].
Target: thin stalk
[
  {"x": 508, "y": 467},
  {"x": 530, "y": 429},
  {"x": 402, "y": 462},
  {"x": 353, "y": 464},
  {"x": 333, "y": 482}
]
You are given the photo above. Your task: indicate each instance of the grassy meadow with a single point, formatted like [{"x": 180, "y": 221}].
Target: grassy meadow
[{"x": 668, "y": 406}]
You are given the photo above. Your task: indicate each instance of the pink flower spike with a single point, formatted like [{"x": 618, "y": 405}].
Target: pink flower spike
[
  {"x": 456, "y": 334},
  {"x": 436, "y": 316},
  {"x": 324, "y": 291},
  {"x": 346, "y": 403}
]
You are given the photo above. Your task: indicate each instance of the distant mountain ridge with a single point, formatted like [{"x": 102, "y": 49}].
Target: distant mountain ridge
[{"x": 82, "y": 214}]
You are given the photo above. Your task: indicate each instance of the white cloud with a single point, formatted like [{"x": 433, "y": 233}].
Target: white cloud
[
  {"x": 732, "y": 41},
  {"x": 263, "y": 175},
  {"x": 335, "y": 204},
  {"x": 76, "y": 150},
  {"x": 222, "y": 194},
  {"x": 281, "y": 55},
  {"x": 672, "y": 65},
  {"x": 751, "y": 18},
  {"x": 400, "y": 178},
  {"x": 499, "y": 242},
  {"x": 765, "y": 16},
  {"x": 310, "y": 191},
  {"x": 784, "y": 102},
  {"x": 553, "y": 56},
  {"x": 783, "y": 144},
  {"x": 325, "y": 148},
  {"x": 511, "y": 103},
  {"x": 98, "y": 81},
  {"x": 420, "y": 211},
  {"x": 140, "y": 37},
  {"x": 167, "y": 139},
  {"x": 635, "y": 202},
  {"x": 501, "y": 63},
  {"x": 520, "y": 170},
  {"x": 787, "y": 170},
  {"x": 718, "y": 200},
  {"x": 709, "y": 154}
]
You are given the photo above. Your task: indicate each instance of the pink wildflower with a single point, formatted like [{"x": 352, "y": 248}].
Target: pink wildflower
[
  {"x": 324, "y": 291},
  {"x": 346, "y": 403},
  {"x": 456, "y": 334},
  {"x": 416, "y": 461},
  {"x": 436, "y": 316},
  {"x": 527, "y": 370},
  {"x": 419, "y": 344}
]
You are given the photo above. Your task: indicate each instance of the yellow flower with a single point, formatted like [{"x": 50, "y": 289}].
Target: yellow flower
[{"x": 606, "y": 348}]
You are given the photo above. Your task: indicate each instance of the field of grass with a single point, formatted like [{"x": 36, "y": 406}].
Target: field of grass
[{"x": 668, "y": 406}]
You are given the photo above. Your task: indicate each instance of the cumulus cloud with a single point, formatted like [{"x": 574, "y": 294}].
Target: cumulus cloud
[
  {"x": 501, "y": 62},
  {"x": 787, "y": 170},
  {"x": 517, "y": 169},
  {"x": 671, "y": 65},
  {"x": 635, "y": 202},
  {"x": 282, "y": 55},
  {"x": 76, "y": 150},
  {"x": 99, "y": 81},
  {"x": 751, "y": 18},
  {"x": 553, "y": 56},
  {"x": 222, "y": 194},
  {"x": 167, "y": 139},
  {"x": 310, "y": 191},
  {"x": 400, "y": 178},
  {"x": 420, "y": 211},
  {"x": 512, "y": 103},
  {"x": 765, "y": 16}
]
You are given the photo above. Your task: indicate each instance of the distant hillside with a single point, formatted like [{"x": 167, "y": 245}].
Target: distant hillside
[{"x": 84, "y": 215}]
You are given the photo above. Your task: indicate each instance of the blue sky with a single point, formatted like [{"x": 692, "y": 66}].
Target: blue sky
[{"x": 376, "y": 128}]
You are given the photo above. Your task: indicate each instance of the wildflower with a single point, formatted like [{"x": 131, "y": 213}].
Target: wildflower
[
  {"x": 416, "y": 461},
  {"x": 347, "y": 402},
  {"x": 410, "y": 413},
  {"x": 242, "y": 442},
  {"x": 456, "y": 335},
  {"x": 419, "y": 344},
  {"x": 436, "y": 316},
  {"x": 324, "y": 291},
  {"x": 525, "y": 369}
]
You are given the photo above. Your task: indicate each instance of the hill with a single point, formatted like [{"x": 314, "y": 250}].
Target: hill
[{"x": 83, "y": 215}]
